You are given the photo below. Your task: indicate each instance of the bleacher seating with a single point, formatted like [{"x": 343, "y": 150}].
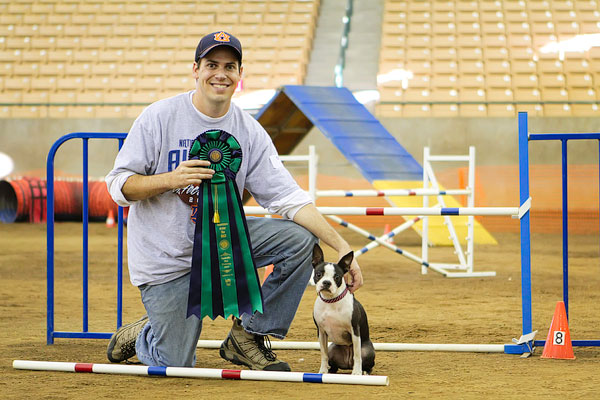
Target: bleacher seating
[
  {"x": 469, "y": 58},
  {"x": 131, "y": 51},
  {"x": 486, "y": 53}
]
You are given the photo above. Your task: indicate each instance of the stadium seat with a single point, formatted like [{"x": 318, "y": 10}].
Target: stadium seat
[
  {"x": 472, "y": 110},
  {"x": 500, "y": 110},
  {"x": 48, "y": 44},
  {"x": 89, "y": 45},
  {"x": 492, "y": 41},
  {"x": 389, "y": 110},
  {"x": 444, "y": 110}
]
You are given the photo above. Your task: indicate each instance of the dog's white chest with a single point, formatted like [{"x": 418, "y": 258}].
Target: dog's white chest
[{"x": 335, "y": 319}]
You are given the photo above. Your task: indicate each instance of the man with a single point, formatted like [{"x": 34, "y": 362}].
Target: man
[{"x": 149, "y": 173}]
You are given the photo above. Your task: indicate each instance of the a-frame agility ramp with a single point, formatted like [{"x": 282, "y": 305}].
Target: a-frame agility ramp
[{"x": 363, "y": 140}]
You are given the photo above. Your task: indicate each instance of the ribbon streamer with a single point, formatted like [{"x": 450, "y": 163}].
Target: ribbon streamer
[{"x": 223, "y": 280}]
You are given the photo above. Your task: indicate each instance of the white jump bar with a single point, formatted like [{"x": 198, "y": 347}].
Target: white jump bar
[
  {"x": 288, "y": 345},
  {"x": 402, "y": 211},
  {"x": 391, "y": 192}
]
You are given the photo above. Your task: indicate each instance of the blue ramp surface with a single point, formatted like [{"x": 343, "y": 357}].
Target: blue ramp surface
[
  {"x": 361, "y": 138},
  {"x": 357, "y": 134}
]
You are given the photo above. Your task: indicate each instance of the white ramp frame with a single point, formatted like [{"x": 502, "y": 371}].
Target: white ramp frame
[
  {"x": 464, "y": 268},
  {"x": 312, "y": 159}
]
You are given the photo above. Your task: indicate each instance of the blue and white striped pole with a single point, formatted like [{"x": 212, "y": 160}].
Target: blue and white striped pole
[
  {"x": 382, "y": 240},
  {"x": 209, "y": 373}
]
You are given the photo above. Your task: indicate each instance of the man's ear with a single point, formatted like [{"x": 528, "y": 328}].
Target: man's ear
[
  {"x": 317, "y": 257},
  {"x": 346, "y": 261},
  {"x": 195, "y": 68}
]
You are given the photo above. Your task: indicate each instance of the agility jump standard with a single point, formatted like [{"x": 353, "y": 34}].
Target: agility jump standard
[
  {"x": 524, "y": 138},
  {"x": 429, "y": 179},
  {"x": 430, "y": 188},
  {"x": 209, "y": 373}
]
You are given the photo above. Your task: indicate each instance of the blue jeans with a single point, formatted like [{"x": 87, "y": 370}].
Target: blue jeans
[{"x": 170, "y": 339}]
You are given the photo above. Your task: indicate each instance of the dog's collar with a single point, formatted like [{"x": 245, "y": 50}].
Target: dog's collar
[{"x": 335, "y": 299}]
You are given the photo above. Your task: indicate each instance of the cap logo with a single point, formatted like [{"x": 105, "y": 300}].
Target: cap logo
[{"x": 221, "y": 37}]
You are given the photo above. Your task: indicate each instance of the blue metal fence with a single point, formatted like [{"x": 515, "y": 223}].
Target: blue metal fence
[
  {"x": 84, "y": 333},
  {"x": 524, "y": 137}
]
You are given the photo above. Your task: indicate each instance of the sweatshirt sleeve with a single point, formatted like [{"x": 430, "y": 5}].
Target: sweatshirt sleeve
[
  {"x": 269, "y": 182},
  {"x": 139, "y": 155}
]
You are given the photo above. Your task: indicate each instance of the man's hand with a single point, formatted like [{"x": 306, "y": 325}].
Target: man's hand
[
  {"x": 191, "y": 172},
  {"x": 310, "y": 218},
  {"x": 356, "y": 278}
]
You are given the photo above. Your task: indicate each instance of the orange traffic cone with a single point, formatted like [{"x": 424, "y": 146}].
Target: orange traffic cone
[
  {"x": 268, "y": 270},
  {"x": 387, "y": 230},
  {"x": 558, "y": 343},
  {"x": 110, "y": 220}
]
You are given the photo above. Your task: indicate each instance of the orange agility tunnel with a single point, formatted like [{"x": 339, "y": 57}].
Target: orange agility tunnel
[{"x": 24, "y": 200}]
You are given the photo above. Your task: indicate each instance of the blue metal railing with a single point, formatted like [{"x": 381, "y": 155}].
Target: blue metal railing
[
  {"x": 524, "y": 138},
  {"x": 84, "y": 333}
]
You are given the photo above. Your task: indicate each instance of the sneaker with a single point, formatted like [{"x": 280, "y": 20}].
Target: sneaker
[
  {"x": 253, "y": 351},
  {"x": 122, "y": 344}
]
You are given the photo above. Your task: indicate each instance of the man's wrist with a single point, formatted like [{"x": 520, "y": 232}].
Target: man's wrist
[{"x": 344, "y": 247}]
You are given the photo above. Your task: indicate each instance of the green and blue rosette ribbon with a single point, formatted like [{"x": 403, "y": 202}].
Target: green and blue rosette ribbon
[{"x": 223, "y": 280}]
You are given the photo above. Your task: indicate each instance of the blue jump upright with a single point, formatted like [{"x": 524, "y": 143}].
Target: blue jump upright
[
  {"x": 524, "y": 138},
  {"x": 84, "y": 333}
]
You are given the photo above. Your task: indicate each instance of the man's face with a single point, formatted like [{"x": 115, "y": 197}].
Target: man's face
[{"x": 217, "y": 75}]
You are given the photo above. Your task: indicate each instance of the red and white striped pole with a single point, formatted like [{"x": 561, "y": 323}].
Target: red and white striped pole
[{"x": 209, "y": 373}]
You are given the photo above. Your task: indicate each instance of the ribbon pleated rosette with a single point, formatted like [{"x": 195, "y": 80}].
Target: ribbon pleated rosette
[{"x": 223, "y": 280}]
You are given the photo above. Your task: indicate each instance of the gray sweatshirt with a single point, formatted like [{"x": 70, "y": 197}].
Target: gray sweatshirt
[{"x": 160, "y": 231}]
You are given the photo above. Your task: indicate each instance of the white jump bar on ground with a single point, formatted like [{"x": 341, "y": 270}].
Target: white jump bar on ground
[
  {"x": 180, "y": 372},
  {"x": 402, "y": 211},
  {"x": 289, "y": 345}
]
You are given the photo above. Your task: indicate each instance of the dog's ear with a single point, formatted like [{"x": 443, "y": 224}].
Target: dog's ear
[
  {"x": 346, "y": 261},
  {"x": 317, "y": 257}
]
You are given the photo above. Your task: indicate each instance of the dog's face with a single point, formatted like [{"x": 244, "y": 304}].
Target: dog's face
[{"x": 329, "y": 277}]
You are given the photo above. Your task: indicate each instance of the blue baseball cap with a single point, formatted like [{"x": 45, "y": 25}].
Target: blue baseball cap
[{"x": 215, "y": 39}]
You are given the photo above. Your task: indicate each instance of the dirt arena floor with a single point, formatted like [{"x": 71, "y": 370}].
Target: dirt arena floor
[{"x": 403, "y": 306}]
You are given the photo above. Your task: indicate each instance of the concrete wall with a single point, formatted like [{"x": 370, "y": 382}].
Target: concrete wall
[
  {"x": 495, "y": 139},
  {"x": 27, "y": 142}
]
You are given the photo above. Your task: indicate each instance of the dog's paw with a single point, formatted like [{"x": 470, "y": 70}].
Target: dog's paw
[{"x": 323, "y": 368}]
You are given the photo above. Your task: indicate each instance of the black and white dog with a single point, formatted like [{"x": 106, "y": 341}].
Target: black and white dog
[{"x": 340, "y": 318}]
